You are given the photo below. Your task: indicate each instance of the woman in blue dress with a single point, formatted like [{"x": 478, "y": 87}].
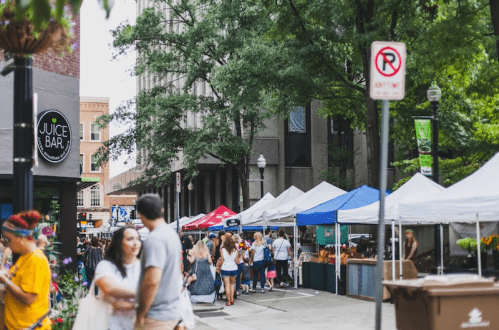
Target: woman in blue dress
[{"x": 203, "y": 289}]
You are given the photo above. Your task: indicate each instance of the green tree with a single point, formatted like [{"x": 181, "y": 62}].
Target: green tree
[{"x": 203, "y": 44}]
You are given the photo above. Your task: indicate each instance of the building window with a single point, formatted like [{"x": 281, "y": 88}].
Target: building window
[
  {"x": 94, "y": 132},
  {"x": 297, "y": 120},
  {"x": 82, "y": 163},
  {"x": 79, "y": 198},
  {"x": 95, "y": 196},
  {"x": 82, "y": 133},
  {"x": 94, "y": 167}
]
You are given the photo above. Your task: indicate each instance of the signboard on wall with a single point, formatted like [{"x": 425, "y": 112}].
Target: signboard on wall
[
  {"x": 53, "y": 136},
  {"x": 124, "y": 214}
]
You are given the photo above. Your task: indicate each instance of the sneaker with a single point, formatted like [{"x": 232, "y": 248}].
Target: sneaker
[{"x": 286, "y": 285}]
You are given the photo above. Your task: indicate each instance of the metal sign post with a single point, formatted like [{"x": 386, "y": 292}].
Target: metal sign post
[
  {"x": 179, "y": 188},
  {"x": 387, "y": 83}
]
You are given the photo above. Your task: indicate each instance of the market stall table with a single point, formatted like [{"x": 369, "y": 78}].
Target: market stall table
[{"x": 361, "y": 277}]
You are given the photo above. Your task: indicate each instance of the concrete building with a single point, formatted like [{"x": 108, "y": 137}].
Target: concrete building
[{"x": 92, "y": 200}]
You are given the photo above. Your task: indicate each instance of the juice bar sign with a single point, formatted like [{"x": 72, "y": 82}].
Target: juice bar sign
[{"x": 53, "y": 136}]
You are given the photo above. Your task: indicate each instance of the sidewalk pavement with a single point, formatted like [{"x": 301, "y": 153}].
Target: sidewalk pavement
[{"x": 288, "y": 309}]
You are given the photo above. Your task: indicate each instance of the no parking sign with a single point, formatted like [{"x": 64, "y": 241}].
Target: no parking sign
[{"x": 387, "y": 70}]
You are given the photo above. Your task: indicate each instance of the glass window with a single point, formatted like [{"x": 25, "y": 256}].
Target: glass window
[
  {"x": 95, "y": 132},
  {"x": 82, "y": 168},
  {"x": 79, "y": 198},
  {"x": 94, "y": 167},
  {"x": 297, "y": 122},
  {"x": 81, "y": 131},
  {"x": 95, "y": 196}
]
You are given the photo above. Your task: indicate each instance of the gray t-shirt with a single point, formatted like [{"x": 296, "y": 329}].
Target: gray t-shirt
[
  {"x": 209, "y": 245},
  {"x": 162, "y": 250}
]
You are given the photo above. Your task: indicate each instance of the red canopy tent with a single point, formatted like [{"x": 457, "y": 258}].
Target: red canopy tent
[{"x": 213, "y": 218}]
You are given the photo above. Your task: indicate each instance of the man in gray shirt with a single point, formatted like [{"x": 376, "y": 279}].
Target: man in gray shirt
[{"x": 158, "y": 296}]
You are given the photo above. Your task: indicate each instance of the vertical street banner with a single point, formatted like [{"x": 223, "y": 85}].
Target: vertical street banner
[{"x": 423, "y": 136}]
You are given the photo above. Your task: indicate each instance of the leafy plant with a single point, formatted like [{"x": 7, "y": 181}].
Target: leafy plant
[
  {"x": 71, "y": 290},
  {"x": 490, "y": 243}
]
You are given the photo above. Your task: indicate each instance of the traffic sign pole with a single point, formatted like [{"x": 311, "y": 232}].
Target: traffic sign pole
[{"x": 387, "y": 82}]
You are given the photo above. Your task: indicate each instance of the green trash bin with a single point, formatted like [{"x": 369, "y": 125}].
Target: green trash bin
[
  {"x": 305, "y": 270},
  {"x": 318, "y": 276}
]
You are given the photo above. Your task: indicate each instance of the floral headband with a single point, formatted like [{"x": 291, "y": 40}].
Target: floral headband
[
  {"x": 409, "y": 230},
  {"x": 18, "y": 231}
]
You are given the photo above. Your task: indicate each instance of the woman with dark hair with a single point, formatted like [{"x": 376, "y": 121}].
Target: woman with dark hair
[
  {"x": 117, "y": 277},
  {"x": 27, "y": 282},
  {"x": 92, "y": 256},
  {"x": 228, "y": 261},
  {"x": 217, "y": 246}
]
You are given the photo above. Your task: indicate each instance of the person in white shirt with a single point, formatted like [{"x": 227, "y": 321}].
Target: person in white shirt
[
  {"x": 229, "y": 259},
  {"x": 117, "y": 277},
  {"x": 282, "y": 249}
]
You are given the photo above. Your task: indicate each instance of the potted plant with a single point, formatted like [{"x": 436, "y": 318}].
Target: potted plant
[{"x": 490, "y": 244}]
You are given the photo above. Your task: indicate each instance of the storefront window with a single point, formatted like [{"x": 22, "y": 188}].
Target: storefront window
[{"x": 95, "y": 196}]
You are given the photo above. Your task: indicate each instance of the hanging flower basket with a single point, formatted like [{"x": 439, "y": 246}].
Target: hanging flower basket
[
  {"x": 21, "y": 37},
  {"x": 18, "y": 38}
]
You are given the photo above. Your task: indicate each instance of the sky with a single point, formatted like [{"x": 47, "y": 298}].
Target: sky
[{"x": 100, "y": 75}]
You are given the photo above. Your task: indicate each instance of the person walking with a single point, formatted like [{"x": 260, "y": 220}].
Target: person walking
[
  {"x": 158, "y": 302},
  {"x": 203, "y": 289},
  {"x": 282, "y": 249},
  {"x": 210, "y": 243},
  {"x": 229, "y": 259},
  {"x": 186, "y": 246},
  {"x": 217, "y": 246},
  {"x": 117, "y": 277},
  {"x": 93, "y": 255},
  {"x": 27, "y": 283},
  {"x": 257, "y": 259},
  {"x": 241, "y": 251}
]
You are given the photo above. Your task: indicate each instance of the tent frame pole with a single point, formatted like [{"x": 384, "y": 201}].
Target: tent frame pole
[
  {"x": 400, "y": 250},
  {"x": 442, "y": 248},
  {"x": 478, "y": 247},
  {"x": 393, "y": 250},
  {"x": 295, "y": 255}
]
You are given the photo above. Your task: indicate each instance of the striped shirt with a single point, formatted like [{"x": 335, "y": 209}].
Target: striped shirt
[{"x": 92, "y": 256}]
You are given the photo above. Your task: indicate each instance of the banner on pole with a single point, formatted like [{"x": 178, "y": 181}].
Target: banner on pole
[{"x": 423, "y": 136}]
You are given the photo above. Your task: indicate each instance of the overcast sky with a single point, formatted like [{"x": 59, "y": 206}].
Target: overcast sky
[{"x": 100, "y": 76}]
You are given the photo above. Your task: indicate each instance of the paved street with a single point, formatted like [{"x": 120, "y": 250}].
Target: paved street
[{"x": 287, "y": 309}]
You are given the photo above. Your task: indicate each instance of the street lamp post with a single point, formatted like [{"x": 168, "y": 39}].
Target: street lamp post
[
  {"x": 434, "y": 95},
  {"x": 261, "y": 162},
  {"x": 190, "y": 187}
]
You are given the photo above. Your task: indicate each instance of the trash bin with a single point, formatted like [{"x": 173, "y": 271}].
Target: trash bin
[
  {"x": 445, "y": 302},
  {"x": 305, "y": 270}
]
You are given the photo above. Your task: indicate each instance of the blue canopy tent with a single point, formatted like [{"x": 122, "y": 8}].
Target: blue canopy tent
[{"x": 327, "y": 213}]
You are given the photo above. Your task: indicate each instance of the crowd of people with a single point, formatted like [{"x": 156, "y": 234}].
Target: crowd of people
[{"x": 149, "y": 284}]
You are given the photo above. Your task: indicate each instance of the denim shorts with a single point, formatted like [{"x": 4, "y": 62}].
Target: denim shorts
[{"x": 226, "y": 273}]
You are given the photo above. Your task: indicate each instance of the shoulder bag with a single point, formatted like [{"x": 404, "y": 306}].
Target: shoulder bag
[{"x": 93, "y": 313}]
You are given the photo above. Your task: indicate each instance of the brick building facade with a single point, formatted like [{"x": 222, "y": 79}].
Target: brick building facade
[{"x": 93, "y": 200}]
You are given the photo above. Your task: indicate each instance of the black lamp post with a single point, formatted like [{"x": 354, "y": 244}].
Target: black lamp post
[
  {"x": 434, "y": 95},
  {"x": 261, "y": 162}
]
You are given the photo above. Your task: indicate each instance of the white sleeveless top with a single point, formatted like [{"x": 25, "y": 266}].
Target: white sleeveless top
[{"x": 229, "y": 260}]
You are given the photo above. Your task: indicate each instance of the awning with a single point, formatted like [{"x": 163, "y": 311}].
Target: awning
[{"x": 87, "y": 182}]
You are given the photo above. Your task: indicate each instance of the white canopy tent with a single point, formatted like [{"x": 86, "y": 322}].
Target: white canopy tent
[
  {"x": 255, "y": 207},
  {"x": 473, "y": 199},
  {"x": 276, "y": 215},
  {"x": 417, "y": 188},
  {"x": 257, "y": 215},
  {"x": 321, "y": 193}
]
